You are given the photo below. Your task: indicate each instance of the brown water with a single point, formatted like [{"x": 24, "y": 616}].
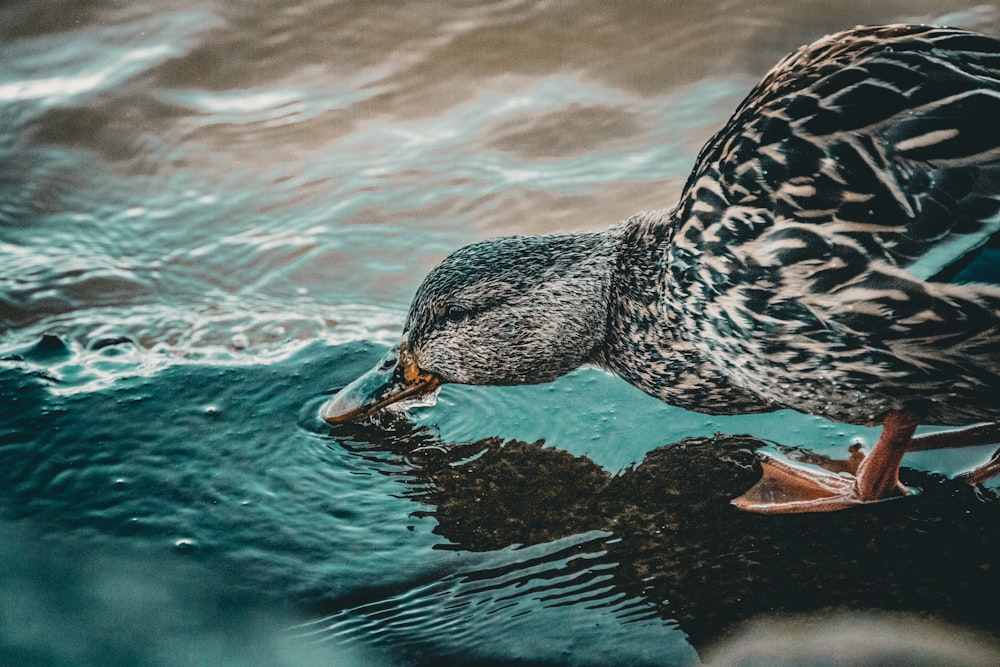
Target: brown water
[{"x": 212, "y": 215}]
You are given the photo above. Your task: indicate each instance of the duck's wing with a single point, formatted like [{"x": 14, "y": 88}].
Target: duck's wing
[{"x": 887, "y": 138}]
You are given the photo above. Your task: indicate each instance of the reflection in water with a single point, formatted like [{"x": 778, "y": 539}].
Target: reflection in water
[{"x": 661, "y": 540}]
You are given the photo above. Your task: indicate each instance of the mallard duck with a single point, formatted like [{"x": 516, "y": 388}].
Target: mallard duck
[{"x": 826, "y": 256}]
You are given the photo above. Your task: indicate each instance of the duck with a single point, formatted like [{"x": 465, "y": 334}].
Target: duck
[{"x": 833, "y": 252}]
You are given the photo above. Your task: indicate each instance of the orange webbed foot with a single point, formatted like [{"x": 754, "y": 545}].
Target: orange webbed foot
[
  {"x": 813, "y": 483},
  {"x": 819, "y": 484},
  {"x": 789, "y": 487}
]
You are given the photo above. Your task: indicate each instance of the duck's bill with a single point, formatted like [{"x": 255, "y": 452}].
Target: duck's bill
[{"x": 396, "y": 378}]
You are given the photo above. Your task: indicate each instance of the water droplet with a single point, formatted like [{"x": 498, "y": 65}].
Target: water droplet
[
  {"x": 184, "y": 545},
  {"x": 48, "y": 348}
]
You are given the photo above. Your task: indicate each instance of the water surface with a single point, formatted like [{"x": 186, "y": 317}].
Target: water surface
[{"x": 213, "y": 215}]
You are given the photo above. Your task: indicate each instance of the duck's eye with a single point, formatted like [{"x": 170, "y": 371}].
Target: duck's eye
[{"x": 455, "y": 312}]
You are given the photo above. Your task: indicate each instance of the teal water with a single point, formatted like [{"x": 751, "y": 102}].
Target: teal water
[{"x": 214, "y": 215}]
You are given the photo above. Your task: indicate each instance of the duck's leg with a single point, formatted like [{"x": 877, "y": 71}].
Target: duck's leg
[
  {"x": 983, "y": 473},
  {"x": 878, "y": 474},
  {"x": 984, "y": 434}
]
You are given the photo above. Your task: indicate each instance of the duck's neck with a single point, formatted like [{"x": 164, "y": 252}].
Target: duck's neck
[
  {"x": 638, "y": 324},
  {"x": 648, "y": 339}
]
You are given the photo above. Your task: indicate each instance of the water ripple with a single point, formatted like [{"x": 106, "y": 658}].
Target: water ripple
[
  {"x": 97, "y": 348},
  {"x": 97, "y": 61},
  {"x": 482, "y": 614}
]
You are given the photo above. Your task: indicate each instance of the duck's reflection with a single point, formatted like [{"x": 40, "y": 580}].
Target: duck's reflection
[{"x": 678, "y": 543}]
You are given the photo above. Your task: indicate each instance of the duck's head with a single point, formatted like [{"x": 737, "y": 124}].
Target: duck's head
[{"x": 513, "y": 310}]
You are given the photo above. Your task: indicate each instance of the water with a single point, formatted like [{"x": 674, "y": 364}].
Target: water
[{"x": 213, "y": 215}]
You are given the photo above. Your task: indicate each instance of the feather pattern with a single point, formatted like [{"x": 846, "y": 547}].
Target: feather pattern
[{"x": 811, "y": 242}]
